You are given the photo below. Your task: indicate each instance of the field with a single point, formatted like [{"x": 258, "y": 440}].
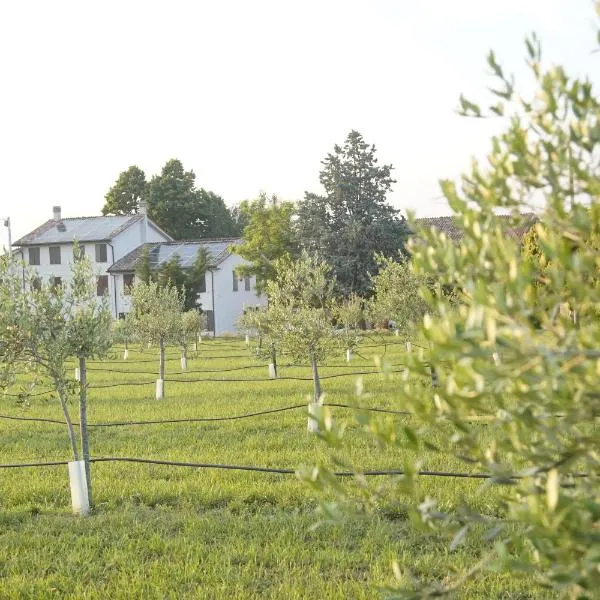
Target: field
[{"x": 179, "y": 532}]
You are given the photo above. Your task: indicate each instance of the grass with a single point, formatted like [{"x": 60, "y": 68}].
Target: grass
[{"x": 164, "y": 532}]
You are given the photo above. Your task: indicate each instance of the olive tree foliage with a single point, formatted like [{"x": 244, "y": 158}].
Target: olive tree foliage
[
  {"x": 157, "y": 316},
  {"x": 349, "y": 315},
  {"x": 529, "y": 368},
  {"x": 397, "y": 294},
  {"x": 192, "y": 323},
  {"x": 124, "y": 332},
  {"x": 41, "y": 329},
  {"x": 256, "y": 321},
  {"x": 301, "y": 312}
]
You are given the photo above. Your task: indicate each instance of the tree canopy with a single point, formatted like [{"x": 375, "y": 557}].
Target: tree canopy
[
  {"x": 352, "y": 220},
  {"x": 267, "y": 237},
  {"x": 174, "y": 202},
  {"x": 125, "y": 195}
]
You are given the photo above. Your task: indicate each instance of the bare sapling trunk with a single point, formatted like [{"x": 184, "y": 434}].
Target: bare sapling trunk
[
  {"x": 83, "y": 427},
  {"x": 62, "y": 396},
  {"x": 316, "y": 380},
  {"x": 313, "y": 407},
  {"x": 184, "y": 358},
  {"x": 160, "y": 382},
  {"x": 274, "y": 359}
]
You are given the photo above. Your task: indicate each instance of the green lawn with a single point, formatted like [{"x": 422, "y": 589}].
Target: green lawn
[{"x": 175, "y": 532}]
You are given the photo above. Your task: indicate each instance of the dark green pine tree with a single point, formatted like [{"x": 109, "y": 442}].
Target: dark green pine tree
[
  {"x": 124, "y": 196},
  {"x": 171, "y": 273},
  {"x": 174, "y": 204},
  {"x": 143, "y": 269},
  {"x": 352, "y": 221},
  {"x": 195, "y": 279}
]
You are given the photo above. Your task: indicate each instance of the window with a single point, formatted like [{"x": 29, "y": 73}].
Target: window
[
  {"x": 100, "y": 253},
  {"x": 79, "y": 252},
  {"x": 34, "y": 256},
  {"x": 202, "y": 284},
  {"x": 102, "y": 285},
  {"x": 36, "y": 284},
  {"x": 128, "y": 281},
  {"x": 55, "y": 255},
  {"x": 55, "y": 282},
  {"x": 235, "y": 282},
  {"x": 247, "y": 283}
]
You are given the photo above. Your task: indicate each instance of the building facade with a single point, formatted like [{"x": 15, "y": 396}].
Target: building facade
[{"x": 115, "y": 245}]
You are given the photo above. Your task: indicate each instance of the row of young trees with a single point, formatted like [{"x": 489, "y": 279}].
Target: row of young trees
[{"x": 43, "y": 328}]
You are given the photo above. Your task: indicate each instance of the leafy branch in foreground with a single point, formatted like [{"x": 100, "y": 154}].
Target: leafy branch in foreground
[{"x": 530, "y": 367}]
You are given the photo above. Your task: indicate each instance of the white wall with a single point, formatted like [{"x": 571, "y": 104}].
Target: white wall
[
  {"x": 229, "y": 305},
  {"x": 45, "y": 270},
  {"x": 133, "y": 237},
  {"x": 122, "y": 244}
]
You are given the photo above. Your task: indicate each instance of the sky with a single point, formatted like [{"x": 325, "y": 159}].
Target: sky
[{"x": 252, "y": 94}]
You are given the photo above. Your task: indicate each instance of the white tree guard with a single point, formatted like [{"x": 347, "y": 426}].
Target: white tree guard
[
  {"x": 184, "y": 363},
  {"x": 272, "y": 373},
  {"x": 160, "y": 389},
  {"x": 348, "y": 355},
  {"x": 79, "y": 490}
]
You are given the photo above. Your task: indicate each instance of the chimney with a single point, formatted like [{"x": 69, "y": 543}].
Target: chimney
[
  {"x": 56, "y": 212},
  {"x": 143, "y": 210}
]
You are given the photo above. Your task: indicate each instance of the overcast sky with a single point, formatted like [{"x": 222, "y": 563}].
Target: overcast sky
[{"x": 252, "y": 94}]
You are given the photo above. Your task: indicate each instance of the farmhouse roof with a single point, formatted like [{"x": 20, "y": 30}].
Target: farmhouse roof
[
  {"x": 83, "y": 229},
  {"x": 453, "y": 230},
  {"x": 161, "y": 252}
]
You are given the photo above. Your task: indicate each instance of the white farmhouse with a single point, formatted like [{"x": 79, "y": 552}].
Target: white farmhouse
[
  {"x": 115, "y": 246},
  {"x": 224, "y": 295}
]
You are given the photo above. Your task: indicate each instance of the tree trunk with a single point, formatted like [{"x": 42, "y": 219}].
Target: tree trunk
[
  {"x": 316, "y": 380},
  {"x": 274, "y": 359},
  {"x": 184, "y": 358},
  {"x": 160, "y": 383},
  {"x": 63, "y": 403},
  {"x": 83, "y": 428},
  {"x": 161, "y": 360},
  {"x": 314, "y": 406}
]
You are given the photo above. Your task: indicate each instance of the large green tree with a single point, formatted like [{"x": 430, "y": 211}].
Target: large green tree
[
  {"x": 352, "y": 220},
  {"x": 124, "y": 196},
  {"x": 267, "y": 237},
  {"x": 174, "y": 203}
]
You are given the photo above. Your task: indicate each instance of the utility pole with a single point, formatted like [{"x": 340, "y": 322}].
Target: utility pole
[{"x": 7, "y": 224}]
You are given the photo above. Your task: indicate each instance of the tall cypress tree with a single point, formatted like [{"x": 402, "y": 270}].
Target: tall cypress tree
[{"x": 352, "y": 221}]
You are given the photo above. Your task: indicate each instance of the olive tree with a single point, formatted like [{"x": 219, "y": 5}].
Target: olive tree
[
  {"x": 541, "y": 395},
  {"x": 124, "y": 333},
  {"x": 257, "y": 320},
  {"x": 43, "y": 326},
  {"x": 397, "y": 295},
  {"x": 300, "y": 315},
  {"x": 192, "y": 322},
  {"x": 350, "y": 315},
  {"x": 157, "y": 319}
]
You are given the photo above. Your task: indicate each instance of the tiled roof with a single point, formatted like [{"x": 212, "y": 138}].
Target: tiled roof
[
  {"x": 84, "y": 229},
  {"x": 161, "y": 252},
  {"x": 453, "y": 231}
]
